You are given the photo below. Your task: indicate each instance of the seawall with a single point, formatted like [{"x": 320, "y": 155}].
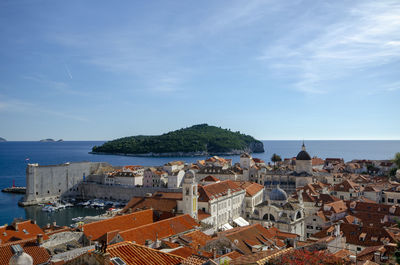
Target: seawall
[{"x": 117, "y": 192}]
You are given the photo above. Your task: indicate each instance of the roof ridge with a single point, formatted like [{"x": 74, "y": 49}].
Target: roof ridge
[{"x": 118, "y": 217}]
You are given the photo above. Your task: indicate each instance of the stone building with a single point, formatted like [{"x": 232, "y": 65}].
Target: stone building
[
  {"x": 287, "y": 180},
  {"x": 282, "y": 212}
]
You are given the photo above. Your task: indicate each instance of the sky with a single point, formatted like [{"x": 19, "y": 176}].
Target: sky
[{"x": 100, "y": 70}]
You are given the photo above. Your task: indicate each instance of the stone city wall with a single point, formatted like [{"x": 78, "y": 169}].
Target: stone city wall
[
  {"x": 46, "y": 183},
  {"x": 117, "y": 192}
]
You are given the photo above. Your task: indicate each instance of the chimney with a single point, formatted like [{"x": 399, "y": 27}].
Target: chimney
[
  {"x": 48, "y": 225},
  {"x": 214, "y": 253},
  {"x": 16, "y": 226},
  {"x": 39, "y": 239},
  {"x": 148, "y": 242},
  {"x": 377, "y": 257}
]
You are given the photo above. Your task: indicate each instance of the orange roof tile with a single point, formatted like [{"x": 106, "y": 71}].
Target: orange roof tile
[
  {"x": 38, "y": 254},
  {"x": 217, "y": 190},
  {"x": 197, "y": 238},
  {"x": 160, "y": 229},
  {"x": 250, "y": 187},
  {"x": 202, "y": 215},
  {"x": 133, "y": 254},
  {"x": 210, "y": 178},
  {"x": 124, "y": 222},
  {"x": 20, "y": 231},
  {"x": 252, "y": 235}
]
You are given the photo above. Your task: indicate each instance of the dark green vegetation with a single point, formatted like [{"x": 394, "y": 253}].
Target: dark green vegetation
[
  {"x": 2, "y": 139},
  {"x": 396, "y": 159},
  {"x": 275, "y": 158},
  {"x": 200, "y": 138}
]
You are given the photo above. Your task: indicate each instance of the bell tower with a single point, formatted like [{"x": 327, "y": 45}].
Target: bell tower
[{"x": 189, "y": 197}]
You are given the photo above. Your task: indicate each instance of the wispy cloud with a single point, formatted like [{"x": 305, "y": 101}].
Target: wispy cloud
[
  {"x": 367, "y": 36},
  {"x": 58, "y": 86},
  {"x": 12, "y": 105}
]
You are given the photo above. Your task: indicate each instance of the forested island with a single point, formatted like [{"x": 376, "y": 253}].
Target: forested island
[
  {"x": 2, "y": 139},
  {"x": 201, "y": 139}
]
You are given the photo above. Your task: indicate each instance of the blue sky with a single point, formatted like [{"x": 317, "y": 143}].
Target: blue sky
[{"x": 98, "y": 70}]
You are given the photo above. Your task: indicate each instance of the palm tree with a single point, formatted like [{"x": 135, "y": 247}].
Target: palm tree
[{"x": 275, "y": 158}]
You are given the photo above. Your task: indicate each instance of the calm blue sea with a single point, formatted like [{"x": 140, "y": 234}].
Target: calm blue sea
[{"x": 14, "y": 154}]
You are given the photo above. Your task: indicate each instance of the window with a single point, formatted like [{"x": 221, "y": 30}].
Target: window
[
  {"x": 391, "y": 200},
  {"x": 310, "y": 227},
  {"x": 37, "y": 193},
  {"x": 358, "y": 249},
  {"x": 383, "y": 199}
]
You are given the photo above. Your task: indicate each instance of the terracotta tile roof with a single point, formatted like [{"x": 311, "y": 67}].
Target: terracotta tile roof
[
  {"x": 362, "y": 236},
  {"x": 316, "y": 161},
  {"x": 335, "y": 207},
  {"x": 134, "y": 254},
  {"x": 160, "y": 229},
  {"x": 342, "y": 254},
  {"x": 38, "y": 254},
  {"x": 376, "y": 207},
  {"x": 232, "y": 255},
  {"x": 250, "y": 187},
  {"x": 258, "y": 160},
  {"x": 210, "y": 178},
  {"x": 197, "y": 260},
  {"x": 108, "y": 237},
  {"x": 124, "y": 222},
  {"x": 260, "y": 257},
  {"x": 183, "y": 251},
  {"x": 252, "y": 235},
  {"x": 197, "y": 238},
  {"x": 346, "y": 185},
  {"x": 20, "y": 231},
  {"x": 216, "y": 190},
  {"x": 281, "y": 235},
  {"x": 156, "y": 203},
  {"x": 201, "y": 215}
]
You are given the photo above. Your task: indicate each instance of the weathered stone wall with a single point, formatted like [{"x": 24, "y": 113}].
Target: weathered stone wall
[
  {"x": 45, "y": 183},
  {"x": 117, "y": 192}
]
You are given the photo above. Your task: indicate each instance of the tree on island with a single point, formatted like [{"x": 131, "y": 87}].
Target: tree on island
[
  {"x": 396, "y": 160},
  {"x": 275, "y": 158}
]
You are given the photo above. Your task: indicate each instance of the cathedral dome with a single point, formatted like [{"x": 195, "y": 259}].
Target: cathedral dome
[
  {"x": 303, "y": 155},
  {"x": 277, "y": 194}
]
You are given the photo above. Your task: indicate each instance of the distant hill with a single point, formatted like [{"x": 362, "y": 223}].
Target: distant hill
[
  {"x": 201, "y": 139},
  {"x": 50, "y": 140},
  {"x": 2, "y": 139}
]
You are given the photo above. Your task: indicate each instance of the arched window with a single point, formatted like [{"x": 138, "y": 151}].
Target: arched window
[
  {"x": 187, "y": 191},
  {"x": 271, "y": 218},
  {"x": 298, "y": 216},
  {"x": 256, "y": 212},
  {"x": 265, "y": 217}
]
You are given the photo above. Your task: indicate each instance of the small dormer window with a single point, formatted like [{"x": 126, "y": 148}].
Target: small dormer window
[{"x": 24, "y": 230}]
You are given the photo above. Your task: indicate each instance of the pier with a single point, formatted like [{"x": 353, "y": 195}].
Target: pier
[{"x": 20, "y": 190}]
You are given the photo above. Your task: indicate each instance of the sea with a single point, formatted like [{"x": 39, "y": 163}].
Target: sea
[{"x": 14, "y": 157}]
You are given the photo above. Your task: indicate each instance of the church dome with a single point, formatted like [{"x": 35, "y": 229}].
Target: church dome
[
  {"x": 277, "y": 194},
  {"x": 303, "y": 155}
]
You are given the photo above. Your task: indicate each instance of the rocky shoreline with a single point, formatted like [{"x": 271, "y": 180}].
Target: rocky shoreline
[{"x": 177, "y": 154}]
